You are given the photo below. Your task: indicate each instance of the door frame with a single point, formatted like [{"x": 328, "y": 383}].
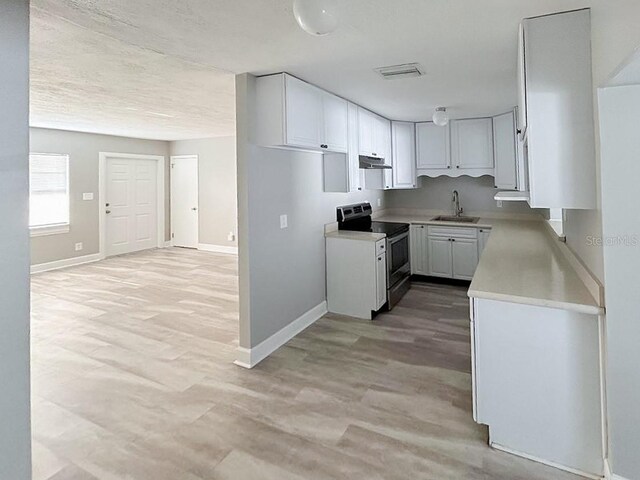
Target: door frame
[
  {"x": 160, "y": 193},
  {"x": 172, "y": 158}
]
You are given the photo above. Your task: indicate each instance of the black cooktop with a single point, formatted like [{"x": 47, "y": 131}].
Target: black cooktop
[{"x": 388, "y": 228}]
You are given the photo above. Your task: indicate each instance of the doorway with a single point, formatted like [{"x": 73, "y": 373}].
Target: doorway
[
  {"x": 132, "y": 203},
  {"x": 184, "y": 201}
]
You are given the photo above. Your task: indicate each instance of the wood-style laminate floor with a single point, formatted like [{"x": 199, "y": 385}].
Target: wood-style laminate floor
[{"x": 133, "y": 379}]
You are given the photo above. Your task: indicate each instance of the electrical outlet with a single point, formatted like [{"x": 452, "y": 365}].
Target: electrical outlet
[
  {"x": 79, "y": 246},
  {"x": 87, "y": 196},
  {"x": 231, "y": 237},
  {"x": 499, "y": 203},
  {"x": 379, "y": 202},
  {"x": 284, "y": 221}
]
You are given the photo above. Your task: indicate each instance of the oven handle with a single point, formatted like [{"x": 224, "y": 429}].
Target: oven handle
[{"x": 396, "y": 239}]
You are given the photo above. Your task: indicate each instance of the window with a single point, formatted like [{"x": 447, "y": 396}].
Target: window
[{"x": 48, "y": 193}]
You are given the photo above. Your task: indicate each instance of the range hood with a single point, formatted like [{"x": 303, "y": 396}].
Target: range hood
[{"x": 373, "y": 163}]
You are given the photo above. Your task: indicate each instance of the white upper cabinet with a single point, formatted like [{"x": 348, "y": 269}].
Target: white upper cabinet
[
  {"x": 472, "y": 143},
  {"x": 304, "y": 113},
  {"x": 403, "y": 143},
  {"x": 522, "y": 89},
  {"x": 560, "y": 141},
  {"x": 292, "y": 113},
  {"x": 374, "y": 135},
  {"x": 432, "y": 146},
  {"x": 335, "y": 123},
  {"x": 505, "y": 151}
]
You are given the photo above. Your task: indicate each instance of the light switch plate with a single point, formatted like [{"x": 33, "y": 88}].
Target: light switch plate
[
  {"x": 231, "y": 237},
  {"x": 379, "y": 202},
  {"x": 284, "y": 221},
  {"x": 87, "y": 196}
]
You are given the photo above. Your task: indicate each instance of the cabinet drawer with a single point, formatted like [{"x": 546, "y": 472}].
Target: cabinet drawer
[
  {"x": 457, "y": 232},
  {"x": 381, "y": 246}
]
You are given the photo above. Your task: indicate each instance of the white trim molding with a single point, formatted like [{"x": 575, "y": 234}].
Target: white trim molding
[
  {"x": 545, "y": 462},
  {"x": 206, "y": 247},
  {"x": 67, "y": 262},
  {"x": 608, "y": 474},
  {"x": 102, "y": 165},
  {"x": 250, "y": 357}
]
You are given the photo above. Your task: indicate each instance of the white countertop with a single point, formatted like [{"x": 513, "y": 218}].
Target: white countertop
[
  {"x": 351, "y": 235},
  {"x": 520, "y": 264}
]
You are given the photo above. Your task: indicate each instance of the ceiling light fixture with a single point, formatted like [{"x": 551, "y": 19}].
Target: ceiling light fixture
[
  {"x": 316, "y": 17},
  {"x": 441, "y": 117}
]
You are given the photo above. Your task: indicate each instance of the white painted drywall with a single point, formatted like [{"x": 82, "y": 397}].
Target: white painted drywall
[
  {"x": 15, "y": 432},
  {"x": 83, "y": 150},
  {"x": 620, "y": 149},
  {"x": 476, "y": 195},
  {"x": 216, "y": 186},
  {"x": 282, "y": 271}
]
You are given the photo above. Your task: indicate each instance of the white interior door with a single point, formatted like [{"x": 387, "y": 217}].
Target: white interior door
[
  {"x": 131, "y": 205},
  {"x": 184, "y": 201}
]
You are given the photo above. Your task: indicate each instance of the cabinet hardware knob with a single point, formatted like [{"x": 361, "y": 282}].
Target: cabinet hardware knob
[
  {"x": 359, "y": 188},
  {"x": 194, "y": 208},
  {"x": 107, "y": 204},
  {"x": 448, "y": 166},
  {"x": 374, "y": 154},
  {"x": 453, "y": 239},
  {"x": 108, "y": 212},
  {"x": 457, "y": 166},
  {"x": 324, "y": 146}
]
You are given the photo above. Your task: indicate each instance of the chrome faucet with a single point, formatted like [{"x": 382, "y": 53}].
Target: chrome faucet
[{"x": 457, "y": 209}]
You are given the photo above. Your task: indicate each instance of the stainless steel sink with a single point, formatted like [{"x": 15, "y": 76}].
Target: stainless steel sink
[{"x": 452, "y": 218}]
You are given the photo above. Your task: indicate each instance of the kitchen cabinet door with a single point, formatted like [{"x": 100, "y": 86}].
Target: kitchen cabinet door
[
  {"x": 505, "y": 153},
  {"x": 403, "y": 142},
  {"x": 356, "y": 175},
  {"x": 465, "y": 258},
  {"x": 483, "y": 238},
  {"x": 382, "y": 139},
  {"x": 335, "y": 136},
  {"x": 440, "y": 257},
  {"x": 419, "y": 250},
  {"x": 522, "y": 86},
  {"x": 381, "y": 280},
  {"x": 432, "y": 146},
  {"x": 366, "y": 132},
  {"x": 304, "y": 113},
  {"x": 472, "y": 143}
]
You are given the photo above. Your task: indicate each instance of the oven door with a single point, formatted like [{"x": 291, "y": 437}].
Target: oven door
[{"x": 398, "y": 263}]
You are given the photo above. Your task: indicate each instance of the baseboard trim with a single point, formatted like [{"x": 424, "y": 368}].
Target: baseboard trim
[
  {"x": 206, "y": 247},
  {"x": 250, "y": 357},
  {"x": 575, "y": 471},
  {"x": 608, "y": 474},
  {"x": 67, "y": 262}
]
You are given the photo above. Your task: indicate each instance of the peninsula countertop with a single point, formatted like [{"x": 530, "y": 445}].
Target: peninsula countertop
[{"x": 520, "y": 264}]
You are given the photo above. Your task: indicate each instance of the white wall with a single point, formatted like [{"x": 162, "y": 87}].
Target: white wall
[
  {"x": 216, "y": 187},
  {"x": 476, "y": 195},
  {"x": 282, "y": 271},
  {"x": 620, "y": 118},
  {"x": 83, "y": 150},
  {"x": 15, "y": 434}
]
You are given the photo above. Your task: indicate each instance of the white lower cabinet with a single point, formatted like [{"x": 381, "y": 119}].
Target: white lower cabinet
[
  {"x": 464, "y": 254},
  {"x": 440, "y": 257},
  {"x": 419, "y": 250},
  {"x": 381, "y": 280},
  {"x": 483, "y": 238},
  {"x": 536, "y": 376},
  {"x": 452, "y": 252},
  {"x": 356, "y": 275}
]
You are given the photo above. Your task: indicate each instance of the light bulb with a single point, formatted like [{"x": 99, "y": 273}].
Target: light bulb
[
  {"x": 316, "y": 17},
  {"x": 441, "y": 117}
]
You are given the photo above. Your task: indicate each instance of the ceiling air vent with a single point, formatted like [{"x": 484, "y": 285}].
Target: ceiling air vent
[{"x": 405, "y": 70}]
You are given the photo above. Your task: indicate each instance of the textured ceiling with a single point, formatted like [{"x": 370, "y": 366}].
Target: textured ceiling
[{"x": 164, "y": 68}]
